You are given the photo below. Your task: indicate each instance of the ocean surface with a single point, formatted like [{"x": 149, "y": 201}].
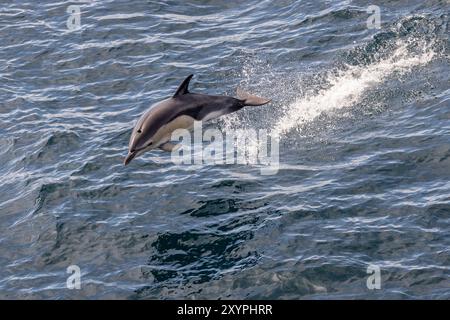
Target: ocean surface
[{"x": 363, "y": 116}]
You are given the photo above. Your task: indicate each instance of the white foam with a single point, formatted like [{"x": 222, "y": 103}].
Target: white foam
[{"x": 346, "y": 88}]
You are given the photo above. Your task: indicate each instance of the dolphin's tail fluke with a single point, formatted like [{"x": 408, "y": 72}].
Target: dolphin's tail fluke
[{"x": 251, "y": 100}]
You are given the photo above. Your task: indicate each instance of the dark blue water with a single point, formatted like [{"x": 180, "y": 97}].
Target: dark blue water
[{"x": 364, "y": 178}]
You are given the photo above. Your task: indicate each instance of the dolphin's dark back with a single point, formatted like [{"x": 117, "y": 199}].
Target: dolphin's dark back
[
  {"x": 200, "y": 106},
  {"x": 205, "y": 107}
]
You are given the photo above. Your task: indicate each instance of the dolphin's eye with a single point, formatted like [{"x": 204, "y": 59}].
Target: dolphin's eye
[{"x": 139, "y": 131}]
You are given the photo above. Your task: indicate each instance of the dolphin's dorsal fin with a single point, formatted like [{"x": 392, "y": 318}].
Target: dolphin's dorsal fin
[{"x": 183, "y": 88}]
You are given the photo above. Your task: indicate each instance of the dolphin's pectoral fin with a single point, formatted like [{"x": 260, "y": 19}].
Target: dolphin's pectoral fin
[
  {"x": 169, "y": 146},
  {"x": 184, "y": 86}
]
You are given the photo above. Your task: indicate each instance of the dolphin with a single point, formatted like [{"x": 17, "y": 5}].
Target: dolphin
[{"x": 154, "y": 128}]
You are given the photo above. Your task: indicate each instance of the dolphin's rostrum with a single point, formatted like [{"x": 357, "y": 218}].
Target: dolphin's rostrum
[{"x": 154, "y": 128}]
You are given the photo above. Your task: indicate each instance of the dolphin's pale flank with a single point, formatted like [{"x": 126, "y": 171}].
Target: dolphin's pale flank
[{"x": 155, "y": 127}]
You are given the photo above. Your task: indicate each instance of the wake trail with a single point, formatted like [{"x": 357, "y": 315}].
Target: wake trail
[{"x": 347, "y": 88}]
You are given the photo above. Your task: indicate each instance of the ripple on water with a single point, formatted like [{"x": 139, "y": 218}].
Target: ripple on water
[{"x": 363, "y": 118}]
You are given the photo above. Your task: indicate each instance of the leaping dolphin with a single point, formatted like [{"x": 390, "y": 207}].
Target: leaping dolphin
[{"x": 154, "y": 128}]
